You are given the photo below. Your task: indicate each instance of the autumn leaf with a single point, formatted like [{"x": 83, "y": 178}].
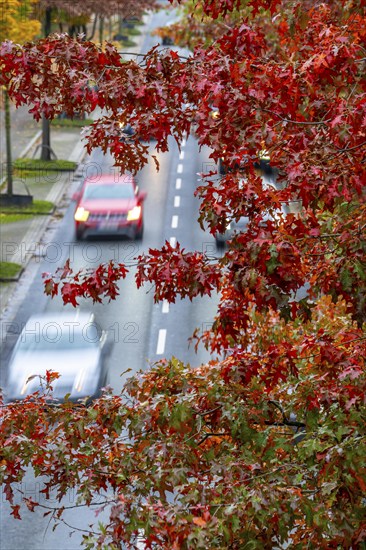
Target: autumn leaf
[
  {"x": 199, "y": 521},
  {"x": 15, "y": 511}
]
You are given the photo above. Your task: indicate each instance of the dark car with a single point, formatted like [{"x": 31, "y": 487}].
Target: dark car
[
  {"x": 240, "y": 226},
  {"x": 232, "y": 227},
  {"x": 127, "y": 133},
  {"x": 71, "y": 344},
  {"x": 109, "y": 205},
  {"x": 167, "y": 41}
]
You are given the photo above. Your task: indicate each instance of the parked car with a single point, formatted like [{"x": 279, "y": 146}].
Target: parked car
[
  {"x": 109, "y": 206},
  {"x": 71, "y": 344}
]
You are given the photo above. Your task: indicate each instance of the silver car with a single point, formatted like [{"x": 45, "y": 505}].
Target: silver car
[{"x": 71, "y": 344}]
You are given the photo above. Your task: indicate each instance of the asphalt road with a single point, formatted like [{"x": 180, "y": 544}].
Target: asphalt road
[{"x": 143, "y": 332}]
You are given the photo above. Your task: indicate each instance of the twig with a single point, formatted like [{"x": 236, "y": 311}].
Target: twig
[
  {"x": 346, "y": 149},
  {"x": 315, "y": 123},
  {"x": 211, "y": 411},
  {"x": 213, "y": 434}
]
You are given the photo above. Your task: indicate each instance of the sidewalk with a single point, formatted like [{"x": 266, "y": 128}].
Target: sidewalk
[{"x": 19, "y": 240}]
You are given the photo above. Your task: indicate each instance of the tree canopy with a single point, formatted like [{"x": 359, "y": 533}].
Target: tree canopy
[
  {"x": 16, "y": 23},
  {"x": 265, "y": 447}
]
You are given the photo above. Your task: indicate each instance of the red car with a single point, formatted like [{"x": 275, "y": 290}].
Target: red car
[{"x": 109, "y": 205}]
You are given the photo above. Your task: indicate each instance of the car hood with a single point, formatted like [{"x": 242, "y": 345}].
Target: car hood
[
  {"x": 108, "y": 205},
  {"x": 79, "y": 372}
]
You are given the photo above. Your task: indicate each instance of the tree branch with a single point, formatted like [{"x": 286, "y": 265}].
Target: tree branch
[{"x": 301, "y": 123}]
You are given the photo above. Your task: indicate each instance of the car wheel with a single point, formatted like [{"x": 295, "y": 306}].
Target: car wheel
[
  {"x": 222, "y": 168},
  {"x": 105, "y": 381},
  {"x": 79, "y": 234},
  {"x": 139, "y": 233},
  {"x": 220, "y": 244}
]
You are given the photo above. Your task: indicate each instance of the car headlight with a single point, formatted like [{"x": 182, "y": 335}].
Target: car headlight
[
  {"x": 134, "y": 214},
  {"x": 85, "y": 383},
  {"x": 80, "y": 381},
  {"x": 81, "y": 215}
]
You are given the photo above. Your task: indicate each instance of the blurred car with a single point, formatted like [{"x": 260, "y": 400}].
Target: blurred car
[
  {"x": 262, "y": 166},
  {"x": 165, "y": 32},
  {"x": 240, "y": 226},
  {"x": 71, "y": 344},
  {"x": 231, "y": 228},
  {"x": 127, "y": 133},
  {"x": 106, "y": 206},
  {"x": 167, "y": 41}
]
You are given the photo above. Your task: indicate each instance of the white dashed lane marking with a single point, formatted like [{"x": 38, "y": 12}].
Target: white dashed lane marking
[
  {"x": 160, "y": 348},
  {"x": 161, "y": 342}
]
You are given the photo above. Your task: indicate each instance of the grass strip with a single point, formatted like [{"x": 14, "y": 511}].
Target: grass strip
[
  {"x": 133, "y": 31},
  {"x": 43, "y": 165},
  {"x": 10, "y": 214},
  {"x": 9, "y": 270},
  {"x": 71, "y": 122}
]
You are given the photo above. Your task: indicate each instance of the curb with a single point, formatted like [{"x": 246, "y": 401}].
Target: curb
[
  {"x": 31, "y": 144},
  {"x": 35, "y": 233},
  {"x": 39, "y": 225},
  {"x": 13, "y": 279}
]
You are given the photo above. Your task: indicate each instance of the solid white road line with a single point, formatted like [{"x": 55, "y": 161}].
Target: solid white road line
[
  {"x": 161, "y": 341},
  {"x": 177, "y": 201},
  {"x": 178, "y": 183},
  {"x": 174, "y": 222},
  {"x": 165, "y": 307},
  {"x": 180, "y": 168}
]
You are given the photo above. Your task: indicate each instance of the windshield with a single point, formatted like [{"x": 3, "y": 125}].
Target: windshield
[
  {"x": 109, "y": 191},
  {"x": 54, "y": 339}
]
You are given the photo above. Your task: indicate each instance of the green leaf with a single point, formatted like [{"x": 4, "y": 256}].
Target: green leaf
[{"x": 346, "y": 279}]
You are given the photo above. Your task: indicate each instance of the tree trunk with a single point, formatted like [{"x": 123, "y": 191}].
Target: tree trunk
[
  {"x": 93, "y": 28},
  {"x": 9, "y": 162},
  {"x": 101, "y": 28},
  {"x": 46, "y": 141},
  {"x": 46, "y": 136},
  {"x": 47, "y": 22}
]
